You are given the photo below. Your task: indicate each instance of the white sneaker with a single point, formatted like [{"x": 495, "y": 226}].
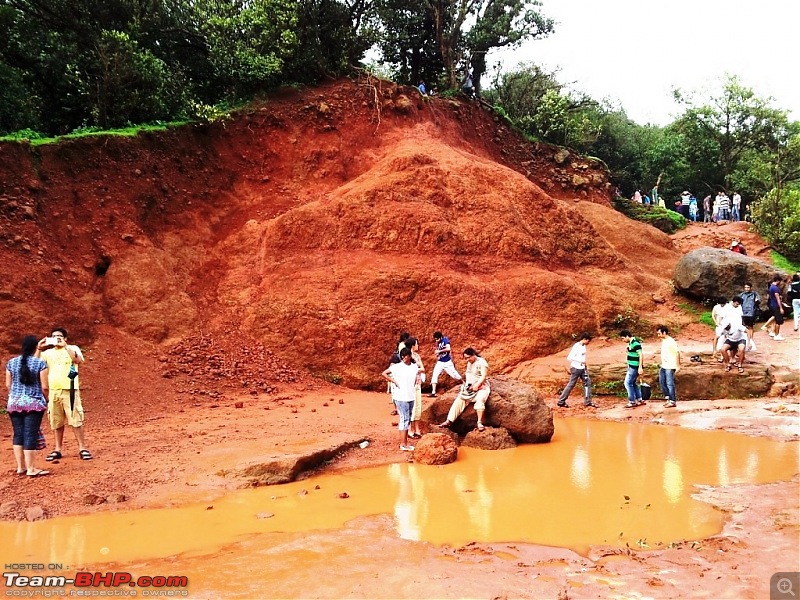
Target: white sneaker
[
  {"x": 778, "y": 338},
  {"x": 406, "y": 448},
  {"x": 770, "y": 334}
]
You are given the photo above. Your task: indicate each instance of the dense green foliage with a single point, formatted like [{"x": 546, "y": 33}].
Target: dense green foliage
[
  {"x": 66, "y": 64},
  {"x": 78, "y": 65},
  {"x": 667, "y": 221}
]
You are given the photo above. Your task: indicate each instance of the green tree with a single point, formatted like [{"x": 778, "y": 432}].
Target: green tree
[
  {"x": 721, "y": 131},
  {"x": 503, "y": 24},
  {"x": 407, "y": 41},
  {"x": 446, "y": 36},
  {"x": 248, "y": 41}
]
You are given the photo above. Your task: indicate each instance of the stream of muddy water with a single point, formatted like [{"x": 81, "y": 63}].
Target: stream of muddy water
[{"x": 621, "y": 484}]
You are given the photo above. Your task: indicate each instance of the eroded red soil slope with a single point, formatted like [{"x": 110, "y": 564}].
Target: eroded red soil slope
[{"x": 322, "y": 223}]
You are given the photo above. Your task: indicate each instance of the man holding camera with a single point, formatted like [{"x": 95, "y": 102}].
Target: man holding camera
[
  {"x": 476, "y": 390},
  {"x": 64, "y": 406}
]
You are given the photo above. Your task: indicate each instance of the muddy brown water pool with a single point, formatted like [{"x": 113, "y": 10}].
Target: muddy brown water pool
[{"x": 623, "y": 484}]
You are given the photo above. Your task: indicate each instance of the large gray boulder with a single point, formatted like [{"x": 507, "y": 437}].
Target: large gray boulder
[
  {"x": 710, "y": 272},
  {"x": 512, "y": 404}
]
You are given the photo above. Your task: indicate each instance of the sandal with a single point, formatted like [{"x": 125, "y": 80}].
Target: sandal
[
  {"x": 445, "y": 424},
  {"x": 741, "y": 370},
  {"x": 728, "y": 368},
  {"x": 54, "y": 455},
  {"x": 85, "y": 455},
  {"x": 481, "y": 427}
]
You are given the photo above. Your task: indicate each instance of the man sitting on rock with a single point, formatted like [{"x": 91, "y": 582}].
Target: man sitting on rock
[
  {"x": 734, "y": 333},
  {"x": 475, "y": 390}
]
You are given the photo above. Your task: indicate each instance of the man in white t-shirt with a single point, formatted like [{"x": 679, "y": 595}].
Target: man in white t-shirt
[
  {"x": 404, "y": 377},
  {"x": 578, "y": 370}
]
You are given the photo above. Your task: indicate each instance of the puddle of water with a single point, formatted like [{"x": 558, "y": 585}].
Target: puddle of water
[{"x": 595, "y": 483}]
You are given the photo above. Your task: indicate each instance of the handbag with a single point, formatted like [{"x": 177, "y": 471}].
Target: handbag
[{"x": 41, "y": 441}]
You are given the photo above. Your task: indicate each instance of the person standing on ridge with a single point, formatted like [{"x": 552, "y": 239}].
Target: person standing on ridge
[
  {"x": 444, "y": 362},
  {"x": 750, "y": 302},
  {"x": 775, "y": 304},
  {"x": 670, "y": 363}
]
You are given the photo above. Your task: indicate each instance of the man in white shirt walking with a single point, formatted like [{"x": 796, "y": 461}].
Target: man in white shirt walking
[{"x": 578, "y": 370}]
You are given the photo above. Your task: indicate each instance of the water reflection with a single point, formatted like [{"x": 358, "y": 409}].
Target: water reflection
[{"x": 596, "y": 482}]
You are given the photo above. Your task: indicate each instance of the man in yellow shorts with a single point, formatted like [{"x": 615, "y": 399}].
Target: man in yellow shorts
[{"x": 64, "y": 407}]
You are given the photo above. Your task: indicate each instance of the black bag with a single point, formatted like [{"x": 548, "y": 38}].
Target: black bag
[{"x": 646, "y": 391}]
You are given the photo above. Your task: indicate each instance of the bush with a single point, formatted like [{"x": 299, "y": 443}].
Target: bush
[
  {"x": 666, "y": 220},
  {"x": 777, "y": 218}
]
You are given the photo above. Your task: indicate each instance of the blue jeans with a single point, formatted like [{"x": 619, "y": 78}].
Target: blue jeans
[
  {"x": 26, "y": 428},
  {"x": 735, "y": 214},
  {"x": 634, "y": 392},
  {"x": 574, "y": 375},
  {"x": 666, "y": 379}
]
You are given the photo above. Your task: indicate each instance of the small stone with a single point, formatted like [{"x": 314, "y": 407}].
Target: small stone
[
  {"x": 264, "y": 515},
  {"x": 344, "y": 495},
  {"x": 6, "y": 508},
  {"x": 93, "y": 499},
  {"x": 116, "y": 498},
  {"x": 238, "y": 405},
  {"x": 34, "y": 513}
]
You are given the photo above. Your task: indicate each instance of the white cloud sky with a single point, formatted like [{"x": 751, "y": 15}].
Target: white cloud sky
[{"x": 635, "y": 52}]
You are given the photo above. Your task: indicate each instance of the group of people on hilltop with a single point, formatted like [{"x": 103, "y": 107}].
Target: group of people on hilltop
[
  {"x": 406, "y": 374},
  {"x": 720, "y": 208},
  {"x": 467, "y": 86},
  {"x": 44, "y": 379}
]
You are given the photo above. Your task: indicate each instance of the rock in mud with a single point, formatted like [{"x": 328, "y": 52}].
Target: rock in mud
[
  {"x": 436, "y": 449},
  {"x": 491, "y": 438},
  {"x": 6, "y": 508},
  {"x": 35, "y": 513},
  {"x": 512, "y": 404}
]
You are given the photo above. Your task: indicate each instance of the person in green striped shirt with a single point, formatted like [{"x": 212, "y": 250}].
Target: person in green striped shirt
[{"x": 634, "y": 361}]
